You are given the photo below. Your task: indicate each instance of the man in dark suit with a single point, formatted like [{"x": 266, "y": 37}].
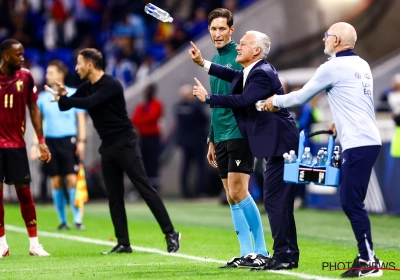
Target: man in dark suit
[{"x": 269, "y": 135}]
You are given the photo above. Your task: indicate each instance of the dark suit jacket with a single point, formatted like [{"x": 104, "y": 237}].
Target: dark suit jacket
[{"x": 269, "y": 134}]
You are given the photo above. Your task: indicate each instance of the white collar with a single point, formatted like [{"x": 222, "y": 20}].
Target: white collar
[{"x": 247, "y": 70}]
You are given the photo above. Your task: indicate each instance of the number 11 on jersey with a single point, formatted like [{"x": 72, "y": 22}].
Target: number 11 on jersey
[{"x": 8, "y": 101}]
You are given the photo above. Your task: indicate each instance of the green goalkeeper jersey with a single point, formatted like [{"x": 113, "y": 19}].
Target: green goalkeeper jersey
[{"x": 223, "y": 123}]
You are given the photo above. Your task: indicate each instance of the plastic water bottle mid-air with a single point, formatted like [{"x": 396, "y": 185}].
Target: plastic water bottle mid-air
[{"x": 158, "y": 13}]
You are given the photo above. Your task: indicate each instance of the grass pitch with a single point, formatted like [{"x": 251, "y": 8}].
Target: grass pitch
[{"x": 208, "y": 240}]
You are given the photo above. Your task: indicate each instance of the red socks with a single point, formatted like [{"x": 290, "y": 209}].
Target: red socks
[
  {"x": 2, "y": 230},
  {"x": 28, "y": 210}
]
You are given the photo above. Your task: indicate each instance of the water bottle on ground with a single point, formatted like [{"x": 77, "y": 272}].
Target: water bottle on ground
[
  {"x": 158, "y": 13},
  {"x": 293, "y": 156},
  {"x": 306, "y": 158},
  {"x": 286, "y": 158}
]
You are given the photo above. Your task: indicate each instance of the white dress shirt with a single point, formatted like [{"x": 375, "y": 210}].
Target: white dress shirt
[{"x": 247, "y": 70}]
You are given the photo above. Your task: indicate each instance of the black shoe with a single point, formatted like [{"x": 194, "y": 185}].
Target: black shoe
[
  {"x": 63, "y": 227},
  {"x": 254, "y": 260},
  {"x": 79, "y": 226},
  {"x": 273, "y": 264},
  {"x": 295, "y": 264},
  {"x": 362, "y": 268},
  {"x": 119, "y": 249},
  {"x": 233, "y": 263},
  {"x": 173, "y": 241}
]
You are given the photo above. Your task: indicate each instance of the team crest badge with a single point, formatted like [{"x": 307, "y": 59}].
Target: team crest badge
[{"x": 20, "y": 85}]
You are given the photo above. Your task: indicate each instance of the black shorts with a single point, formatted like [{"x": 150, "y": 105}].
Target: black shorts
[
  {"x": 64, "y": 160},
  {"x": 234, "y": 156},
  {"x": 14, "y": 166}
]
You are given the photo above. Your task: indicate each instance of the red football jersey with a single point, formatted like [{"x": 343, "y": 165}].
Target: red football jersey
[{"x": 15, "y": 93}]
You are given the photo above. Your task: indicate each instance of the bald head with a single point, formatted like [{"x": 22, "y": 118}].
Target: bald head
[
  {"x": 346, "y": 33},
  {"x": 396, "y": 82},
  {"x": 186, "y": 92},
  {"x": 342, "y": 36}
]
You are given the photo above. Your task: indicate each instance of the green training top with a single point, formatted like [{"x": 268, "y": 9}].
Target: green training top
[{"x": 223, "y": 123}]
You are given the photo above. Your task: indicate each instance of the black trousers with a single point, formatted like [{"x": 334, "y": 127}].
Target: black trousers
[
  {"x": 278, "y": 201},
  {"x": 150, "y": 150},
  {"x": 117, "y": 158}
]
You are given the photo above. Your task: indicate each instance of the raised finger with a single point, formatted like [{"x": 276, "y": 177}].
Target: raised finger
[
  {"x": 49, "y": 89},
  {"x": 193, "y": 45},
  {"x": 198, "y": 82}
]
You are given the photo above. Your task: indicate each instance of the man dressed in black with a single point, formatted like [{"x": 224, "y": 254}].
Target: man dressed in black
[{"x": 103, "y": 97}]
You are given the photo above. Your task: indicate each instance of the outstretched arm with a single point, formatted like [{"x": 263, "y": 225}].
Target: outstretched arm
[
  {"x": 83, "y": 101},
  {"x": 259, "y": 88},
  {"x": 321, "y": 80},
  {"x": 213, "y": 69}
]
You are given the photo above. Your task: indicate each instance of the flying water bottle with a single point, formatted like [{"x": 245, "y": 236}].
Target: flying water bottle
[
  {"x": 293, "y": 157},
  {"x": 158, "y": 13},
  {"x": 306, "y": 158}
]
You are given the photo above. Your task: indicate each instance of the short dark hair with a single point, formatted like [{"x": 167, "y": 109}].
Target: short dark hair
[
  {"x": 94, "y": 56},
  {"x": 59, "y": 65},
  {"x": 151, "y": 89},
  {"x": 221, "y": 13},
  {"x": 7, "y": 44}
]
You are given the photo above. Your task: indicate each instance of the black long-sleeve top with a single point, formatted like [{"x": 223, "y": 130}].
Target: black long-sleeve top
[{"x": 105, "y": 102}]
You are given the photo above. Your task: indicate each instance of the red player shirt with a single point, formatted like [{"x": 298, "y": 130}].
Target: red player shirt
[{"x": 15, "y": 93}]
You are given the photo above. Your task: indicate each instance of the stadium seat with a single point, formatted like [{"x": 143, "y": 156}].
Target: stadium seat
[{"x": 157, "y": 52}]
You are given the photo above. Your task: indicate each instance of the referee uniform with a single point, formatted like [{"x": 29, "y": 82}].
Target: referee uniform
[{"x": 61, "y": 130}]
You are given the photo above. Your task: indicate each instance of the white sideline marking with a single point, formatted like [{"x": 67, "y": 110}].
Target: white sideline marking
[
  {"x": 155, "y": 251},
  {"x": 91, "y": 266}
]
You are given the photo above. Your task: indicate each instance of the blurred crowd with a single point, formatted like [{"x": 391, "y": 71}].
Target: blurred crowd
[{"x": 132, "y": 42}]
